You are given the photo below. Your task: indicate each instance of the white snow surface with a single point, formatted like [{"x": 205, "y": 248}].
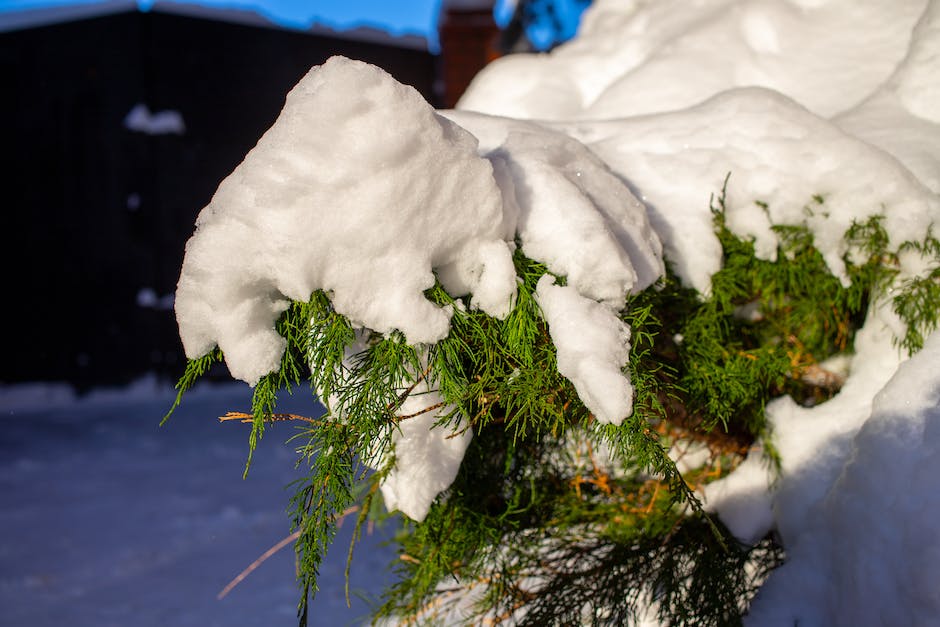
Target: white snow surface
[
  {"x": 868, "y": 552},
  {"x": 360, "y": 189},
  {"x": 593, "y": 345},
  {"x": 600, "y": 158},
  {"x": 574, "y": 214},
  {"x": 427, "y": 457},
  {"x": 109, "y": 520},
  {"x": 792, "y": 99}
]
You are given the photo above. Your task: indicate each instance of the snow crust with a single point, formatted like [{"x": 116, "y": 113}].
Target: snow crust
[{"x": 600, "y": 159}]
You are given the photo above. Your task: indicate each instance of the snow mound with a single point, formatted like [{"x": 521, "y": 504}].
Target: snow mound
[
  {"x": 824, "y": 113},
  {"x": 778, "y": 154},
  {"x": 648, "y": 57},
  {"x": 362, "y": 190},
  {"x": 574, "y": 214},
  {"x": 359, "y": 189},
  {"x": 874, "y": 534}
]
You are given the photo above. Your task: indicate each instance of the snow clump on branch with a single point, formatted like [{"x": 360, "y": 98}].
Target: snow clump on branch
[
  {"x": 362, "y": 190},
  {"x": 359, "y": 189}
]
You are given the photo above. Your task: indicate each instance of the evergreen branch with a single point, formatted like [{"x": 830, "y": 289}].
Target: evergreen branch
[
  {"x": 611, "y": 535},
  {"x": 195, "y": 370}
]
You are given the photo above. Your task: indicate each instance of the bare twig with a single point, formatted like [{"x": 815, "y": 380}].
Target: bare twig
[
  {"x": 423, "y": 411},
  {"x": 248, "y": 418},
  {"x": 409, "y": 389},
  {"x": 274, "y": 549}
]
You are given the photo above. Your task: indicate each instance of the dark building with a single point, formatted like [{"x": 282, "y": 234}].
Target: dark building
[{"x": 96, "y": 213}]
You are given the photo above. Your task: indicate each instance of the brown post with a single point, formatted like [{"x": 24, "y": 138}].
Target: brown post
[{"x": 469, "y": 40}]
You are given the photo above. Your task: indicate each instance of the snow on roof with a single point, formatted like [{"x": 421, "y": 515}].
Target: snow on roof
[{"x": 47, "y": 16}]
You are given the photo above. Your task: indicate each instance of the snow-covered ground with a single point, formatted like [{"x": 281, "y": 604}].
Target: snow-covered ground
[{"x": 108, "y": 520}]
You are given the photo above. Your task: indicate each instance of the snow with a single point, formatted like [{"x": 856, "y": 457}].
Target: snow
[
  {"x": 599, "y": 159},
  {"x": 141, "y": 120},
  {"x": 827, "y": 98},
  {"x": 776, "y": 152},
  {"x": 110, "y": 520},
  {"x": 361, "y": 189},
  {"x": 742, "y": 499},
  {"x": 574, "y": 214},
  {"x": 635, "y": 58},
  {"x": 427, "y": 458},
  {"x": 337, "y": 196},
  {"x": 593, "y": 345},
  {"x": 873, "y": 535}
]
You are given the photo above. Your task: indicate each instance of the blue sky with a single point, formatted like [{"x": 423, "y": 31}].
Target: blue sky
[{"x": 397, "y": 16}]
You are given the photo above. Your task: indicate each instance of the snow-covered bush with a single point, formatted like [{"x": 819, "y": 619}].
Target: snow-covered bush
[{"x": 610, "y": 335}]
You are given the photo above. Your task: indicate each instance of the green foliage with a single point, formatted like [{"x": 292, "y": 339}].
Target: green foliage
[
  {"x": 571, "y": 504},
  {"x": 555, "y": 518},
  {"x": 195, "y": 370},
  {"x": 916, "y": 298},
  {"x": 766, "y": 324}
]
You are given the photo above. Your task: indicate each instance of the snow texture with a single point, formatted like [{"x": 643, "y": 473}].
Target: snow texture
[
  {"x": 868, "y": 552},
  {"x": 574, "y": 214},
  {"x": 593, "y": 345},
  {"x": 776, "y": 152},
  {"x": 826, "y": 98},
  {"x": 359, "y": 189},
  {"x": 362, "y": 190},
  {"x": 427, "y": 458},
  {"x": 600, "y": 159},
  {"x": 109, "y": 520}
]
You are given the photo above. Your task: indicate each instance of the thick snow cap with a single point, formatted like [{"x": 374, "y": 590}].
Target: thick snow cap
[{"x": 360, "y": 189}]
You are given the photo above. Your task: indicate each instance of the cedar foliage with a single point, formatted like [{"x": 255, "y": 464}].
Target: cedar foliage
[{"x": 553, "y": 517}]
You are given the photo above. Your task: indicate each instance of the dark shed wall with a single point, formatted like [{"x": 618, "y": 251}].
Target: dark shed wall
[{"x": 76, "y": 252}]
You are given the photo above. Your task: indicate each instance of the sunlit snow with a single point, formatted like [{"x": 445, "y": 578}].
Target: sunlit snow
[{"x": 600, "y": 160}]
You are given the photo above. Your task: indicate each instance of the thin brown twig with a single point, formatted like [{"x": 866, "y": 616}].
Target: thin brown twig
[
  {"x": 409, "y": 389},
  {"x": 274, "y": 549},
  {"x": 423, "y": 411},
  {"x": 248, "y": 418},
  {"x": 243, "y": 417}
]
